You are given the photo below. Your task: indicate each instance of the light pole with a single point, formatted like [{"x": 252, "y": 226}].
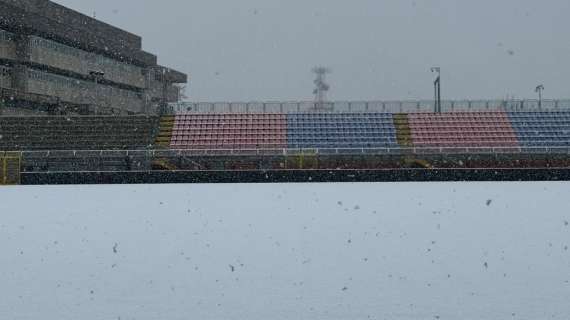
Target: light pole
[
  {"x": 539, "y": 89},
  {"x": 437, "y": 89}
]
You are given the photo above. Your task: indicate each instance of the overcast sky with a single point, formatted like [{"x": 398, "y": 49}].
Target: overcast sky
[{"x": 378, "y": 49}]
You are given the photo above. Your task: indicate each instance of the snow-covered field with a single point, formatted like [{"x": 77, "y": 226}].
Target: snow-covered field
[{"x": 286, "y": 251}]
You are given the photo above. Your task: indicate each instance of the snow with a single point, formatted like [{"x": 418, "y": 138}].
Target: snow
[{"x": 286, "y": 251}]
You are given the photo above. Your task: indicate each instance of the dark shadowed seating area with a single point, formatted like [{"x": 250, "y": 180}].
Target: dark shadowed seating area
[{"x": 77, "y": 133}]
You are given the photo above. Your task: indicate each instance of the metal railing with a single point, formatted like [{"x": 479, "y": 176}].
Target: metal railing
[
  {"x": 369, "y": 106},
  {"x": 286, "y": 152}
]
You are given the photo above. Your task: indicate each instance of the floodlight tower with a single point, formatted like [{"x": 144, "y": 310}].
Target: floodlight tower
[{"x": 321, "y": 86}]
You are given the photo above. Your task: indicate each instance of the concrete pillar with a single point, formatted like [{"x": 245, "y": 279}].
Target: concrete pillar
[
  {"x": 20, "y": 72},
  {"x": 147, "y": 97},
  {"x": 23, "y": 49},
  {"x": 20, "y": 78},
  {"x": 2, "y": 104}
]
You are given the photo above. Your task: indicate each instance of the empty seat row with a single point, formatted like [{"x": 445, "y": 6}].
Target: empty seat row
[
  {"x": 214, "y": 119},
  {"x": 228, "y": 142},
  {"x": 463, "y": 136},
  {"x": 371, "y": 117},
  {"x": 544, "y": 134},
  {"x": 358, "y": 130},
  {"x": 77, "y": 132},
  {"x": 232, "y": 130},
  {"x": 541, "y": 117},
  {"x": 542, "y": 129},
  {"x": 227, "y": 146},
  {"x": 540, "y": 114},
  {"x": 221, "y": 137},
  {"x": 343, "y": 130},
  {"x": 300, "y": 130},
  {"x": 229, "y": 131},
  {"x": 338, "y": 123},
  {"x": 462, "y": 129},
  {"x": 454, "y": 144},
  {"x": 459, "y": 119},
  {"x": 340, "y": 115},
  {"x": 325, "y": 145},
  {"x": 230, "y": 115},
  {"x": 549, "y": 143},
  {"x": 233, "y": 122},
  {"x": 339, "y": 134},
  {"x": 462, "y": 121},
  {"x": 252, "y": 127},
  {"x": 229, "y": 124}
]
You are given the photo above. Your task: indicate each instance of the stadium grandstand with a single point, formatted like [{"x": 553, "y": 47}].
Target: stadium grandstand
[
  {"x": 54, "y": 60},
  {"x": 81, "y": 102},
  {"x": 349, "y": 141}
]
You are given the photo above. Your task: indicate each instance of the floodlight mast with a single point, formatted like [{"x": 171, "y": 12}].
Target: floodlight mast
[{"x": 321, "y": 86}]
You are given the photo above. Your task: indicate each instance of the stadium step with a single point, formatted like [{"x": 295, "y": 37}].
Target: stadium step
[
  {"x": 164, "y": 136},
  {"x": 417, "y": 163},
  {"x": 10, "y": 164},
  {"x": 302, "y": 161},
  {"x": 163, "y": 164},
  {"x": 403, "y": 131}
]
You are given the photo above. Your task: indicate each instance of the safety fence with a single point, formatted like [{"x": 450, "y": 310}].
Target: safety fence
[
  {"x": 370, "y": 106},
  {"x": 20, "y": 163},
  {"x": 286, "y": 152}
]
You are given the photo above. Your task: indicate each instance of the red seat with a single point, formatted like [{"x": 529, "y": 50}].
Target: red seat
[{"x": 462, "y": 129}]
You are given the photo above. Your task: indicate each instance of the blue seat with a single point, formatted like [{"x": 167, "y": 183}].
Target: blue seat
[
  {"x": 341, "y": 130},
  {"x": 541, "y": 129}
]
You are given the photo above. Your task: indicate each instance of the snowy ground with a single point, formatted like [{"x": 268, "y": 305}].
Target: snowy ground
[{"x": 295, "y": 251}]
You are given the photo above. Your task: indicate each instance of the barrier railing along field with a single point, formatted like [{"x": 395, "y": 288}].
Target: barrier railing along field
[
  {"x": 370, "y": 106},
  {"x": 289, "y": 152}
]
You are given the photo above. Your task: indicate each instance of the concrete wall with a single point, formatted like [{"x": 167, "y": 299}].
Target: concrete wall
[
  {"x": 64, "y": 57},
  {"x": 40, "y": 34},
  {"x": 156, "y": 92},
  {"x": 83, "y": 92},
  {"x": 35, "y": 22},
  {"x": 71, "y": 17},
  {"x": 155, "y": 87},
  {"x": 173, "y": 94},
  {"x": 7, "y": 45}
]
